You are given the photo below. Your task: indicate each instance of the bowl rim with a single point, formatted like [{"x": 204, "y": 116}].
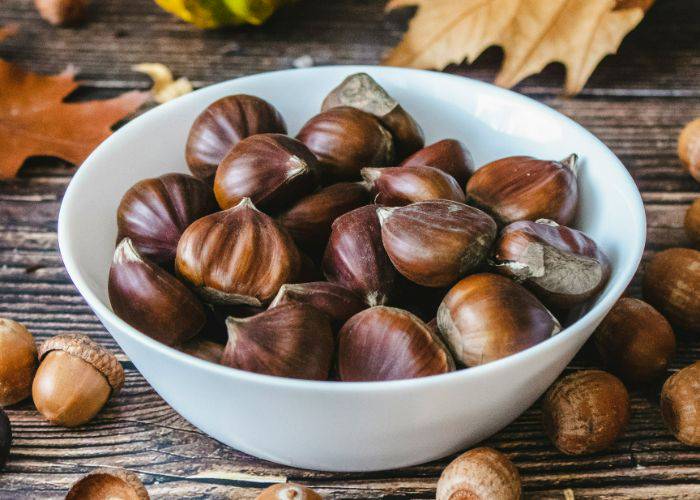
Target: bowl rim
[{"x": 615, "y": 290}]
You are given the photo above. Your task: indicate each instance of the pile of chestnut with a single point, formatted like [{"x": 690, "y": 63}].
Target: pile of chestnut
[{"x": 351, "y": 252}]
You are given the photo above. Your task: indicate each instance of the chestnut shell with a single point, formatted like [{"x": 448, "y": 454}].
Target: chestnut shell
[
  {"x": 222, "y": 124},
  {"x": 155, "y": 212},
  {"x": 449, "y": 155},
  {"x": 396, "y": 186}
]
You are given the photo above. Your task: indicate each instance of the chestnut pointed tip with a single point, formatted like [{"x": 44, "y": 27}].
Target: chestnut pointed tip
[
  {"x": 383, "y": 213},
  {"x": 571, "y": 162},
  {"x": 126, "y": 252},
  {"x": 246, "y": 203},
  {"x": 370, "y": 175},
  {"x": 547, "y": 222}
]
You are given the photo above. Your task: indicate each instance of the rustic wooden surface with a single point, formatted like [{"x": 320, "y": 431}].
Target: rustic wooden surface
[{"x": 636, "y": 103}]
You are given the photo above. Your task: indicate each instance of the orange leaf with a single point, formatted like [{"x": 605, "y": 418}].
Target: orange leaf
[{"x": 34, "y": 120}]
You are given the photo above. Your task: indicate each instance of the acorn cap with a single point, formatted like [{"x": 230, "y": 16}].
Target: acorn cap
[
  {"x": 104, "y": 483},
  {"x": 81, "y": 346}
]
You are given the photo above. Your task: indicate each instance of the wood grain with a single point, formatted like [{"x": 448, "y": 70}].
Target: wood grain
[{"x": 636, "y": 102}]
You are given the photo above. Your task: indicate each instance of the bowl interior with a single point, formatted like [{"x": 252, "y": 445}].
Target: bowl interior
[{"x": 492, "y": 122}]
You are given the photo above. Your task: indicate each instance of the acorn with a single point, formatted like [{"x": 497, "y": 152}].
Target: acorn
[
  {"x": 560, "y": 265},
  {"x": 486, "y": 317},
  {"x": 355, "y": 257},
  {"x": 385, "y": 343},
  {"x": 152, "y": 300},
  {"x": 454, "y": 239},
  {"x": 525, "y": 188},
  {"x": 222, "y": 125},
  {"x": 290, "y": 340},
  {"x": 344, "y": 140},
  {"x": 396, "y": 186},
  {"x": 361, "y": 91},
  {"x": 449, "y": 155},
  {"x": 237, "y": 256},
  {"x": 18, "y": 362},
  {"x": 154, "y": 213},
  {"x": 273, "y": 170}
]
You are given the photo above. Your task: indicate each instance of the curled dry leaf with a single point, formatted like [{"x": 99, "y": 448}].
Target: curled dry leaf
[
  {"x": 35, "y": 121},
  {"x": 532, "y": 33},
  {"x": 165, "y": 88}
]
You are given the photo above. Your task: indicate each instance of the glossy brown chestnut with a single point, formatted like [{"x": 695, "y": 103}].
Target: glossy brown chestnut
[
  {"x": 337, "y": 302},
  {"x": 680, "y": 404},
  {"x": 396, "y": 186},
  {"x": 291, "y": 340},
  {"x": 454, "y": 239},
  {"x": 486, "y": 317},
  {"x": 692, "y": 223},
  {"x": 449, "y": 155},
  {"x": 5, "y": 438},
  {"x": 203, "y": 349},
  {"x": 309, "y": 220},
  {"x": 346, "y": 139},
  {"x": 222, "y": 125},
  {"x": 635, "y": 341},
  {"x": 672, "y": 285},
  {"x": 238, "y": 256},
  {"x": 562, "y": 266},
  {"x": 481, "y": 473},
  {"x": 288, "y": 491},
  {"x": 151, "y": 299},
  {"x": 273, "y": 170},
  {"x": 355, "y": 257},
  {"x": 361, "y": 91},
  {"x": 155, "y": 212},
  {"x": 385, "y": 343},
  {"x": 525, "y": 188}
]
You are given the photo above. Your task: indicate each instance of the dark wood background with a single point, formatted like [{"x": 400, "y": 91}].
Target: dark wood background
[{"x": 636, "y": 102}]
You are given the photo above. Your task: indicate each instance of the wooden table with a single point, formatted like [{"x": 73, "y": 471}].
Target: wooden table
[{"x": 636, "y": 103}]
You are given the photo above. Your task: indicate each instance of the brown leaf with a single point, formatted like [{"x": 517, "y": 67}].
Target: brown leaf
[
  {"x": 34, "y": 120},
  {"x": 533, "y": 33}
]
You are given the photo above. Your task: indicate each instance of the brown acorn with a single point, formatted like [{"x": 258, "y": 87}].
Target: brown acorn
[
  {"x": 385, "y": 343},
  {"x": 273, "y": 170},
  {"x": 337, "y": 302},
  {"x": 222, "y": 125},
  {"x": 154, "y": 213},
  {"x": 291, "y": 340},
  {"x": 486, "y": 317},
  {"x": 361, "y": 91},
  {"x": 449, "y": 155},
  {"x": 396, "y": 186},
  {"x": 152, "y": 300},
  {"x": 238, "y": 256},
  {"x": 309, "y": 221},
  {"x": 560, "y": 265},
  {"x": 346, "y": 139},
  {"x": 355, "y": 257},
  {"x": 454, "y": 239},
  {"x": 525, "y": 188}
]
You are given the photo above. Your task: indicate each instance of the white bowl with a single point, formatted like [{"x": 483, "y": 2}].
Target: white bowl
[{"x": 353, "y": 426}]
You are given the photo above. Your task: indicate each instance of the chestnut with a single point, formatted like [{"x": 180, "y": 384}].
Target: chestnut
[
  {"x": 273, "y": 170},
  {"x": 680, "y": 404},
  {"x": 395, "y": 186},
  {"x": 355, "y": 257},
  {"x": 692, "y": 223},
  {"x": 152, "y": 300},
  {"x": 155, "y": 212},
  {"x": 480, "y": 473},
  {"x": 449, "y": 155},
  {"x": 288, "y": 491},
  {"x": 585, "y": 412},
  {"x": 309, "y": 220},
  {"x": 385, "y": 343},
  {"x": 453, "y": 238},
  {"x": 361, "y": 91},
  {"x": 113, "y": 483},
  {"x": 562, "y": 266},
  {"x": 635, "y": 341},
  {"x": 525, "y": 188},
  {"x": 203, "y": 349},
  {"x": 222, "y": 125},
  {"x": 238, "y": 256},
  {"x": 292, "y": 340},
  {"x": 18, "y": 361},
  {"x": 344, "y": 140},
  {"x": 5, "y": 438},
  {"x": 672, "y": 285},
  {"x": 486, "y": 317},
  {"x": 335, "y": 301}
]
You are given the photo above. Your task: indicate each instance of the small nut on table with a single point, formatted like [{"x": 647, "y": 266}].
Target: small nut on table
[
  {"x": 680, "y": 404},
  {"x": 117, "y": 484},
  {"x": 692, "y": 223},
  {"x": 5, "y": 438},
  {"x": 75, "y": 379},
  {"x": 689, "y": 148},
  {"x": 481, "y": 473},
  {"x": 449, "y": 155},
  {"x": 18, "y": 360},
  {"x": 288, "y": 491}
]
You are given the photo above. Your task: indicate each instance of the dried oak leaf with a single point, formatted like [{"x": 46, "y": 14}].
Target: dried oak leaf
[
  {"x": 34, "y": 120},
  {"x": 532, "y": 33}
]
